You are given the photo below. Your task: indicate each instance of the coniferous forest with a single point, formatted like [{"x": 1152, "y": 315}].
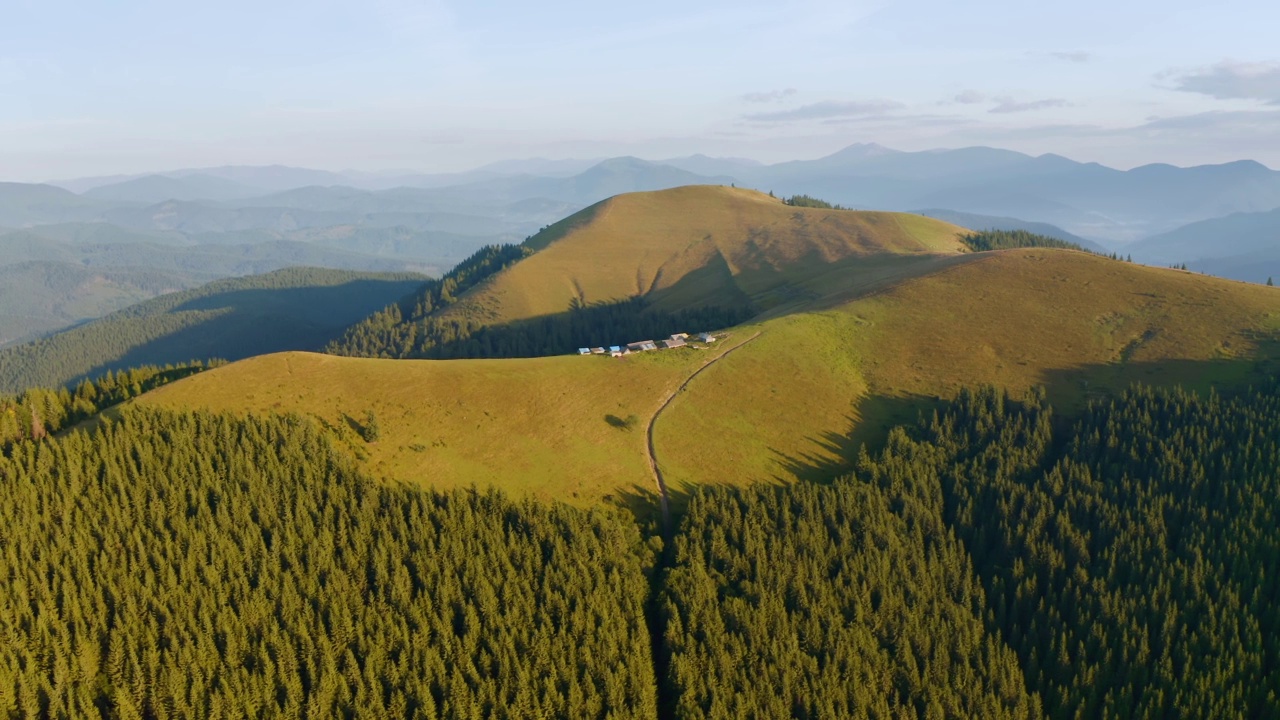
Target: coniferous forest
[
  {"x": 413, "y": 327},
  {"x": 198, "y": 566},
  {"x": 991, "y": 561}
]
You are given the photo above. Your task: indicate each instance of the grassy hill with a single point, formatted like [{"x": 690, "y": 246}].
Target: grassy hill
[
  {"x": 796, "y": 402},
  {"x": 565, "y": 428},
  {"x": 704, "y": 255},
  {"x": 793, "y": 400},
  {"x": 292, "y": 309},
  {"x": 702, "y": 245},
  {"x": 862, "y": 335}
]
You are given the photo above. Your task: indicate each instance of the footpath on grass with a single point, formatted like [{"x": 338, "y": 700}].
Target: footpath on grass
[{"x": 663, "y": 499}]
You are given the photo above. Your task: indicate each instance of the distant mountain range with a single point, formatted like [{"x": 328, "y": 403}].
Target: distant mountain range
[
  {"x": 1085, "y": 199},
  {"x": 1244, "y": 246},
  {"x": 1216, "y": 218},
  {"x": 974, "y": 221}
]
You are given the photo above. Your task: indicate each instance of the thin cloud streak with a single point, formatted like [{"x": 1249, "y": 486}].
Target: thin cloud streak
[
  {"x": 771, "y": 96},
  {"x": 828, "y": 109},
  {"x": 1009, "y": 105}
]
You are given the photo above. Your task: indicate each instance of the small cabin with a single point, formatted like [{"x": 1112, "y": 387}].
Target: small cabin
[
  {"x": 642, "y": 346},
  {"x": 680, "y": 336},
  {"x": 584, "y": 351},
  {"x": 706, "y": 337},
  {"x": 597, "y": 351},
  {"x": 674, "y": 342},
  {"x": 615, "y": 349}
]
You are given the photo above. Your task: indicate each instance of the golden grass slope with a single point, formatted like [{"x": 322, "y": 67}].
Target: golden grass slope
[
  {"x": 569, "y": 428},
  {"x": 705, "y": 245},
  {"x": 785, "y": 405}
]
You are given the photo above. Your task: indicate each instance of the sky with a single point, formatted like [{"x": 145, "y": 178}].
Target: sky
[{"x": 91, "y": 87}]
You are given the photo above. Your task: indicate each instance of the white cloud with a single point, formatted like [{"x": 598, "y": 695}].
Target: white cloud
[{"x": 1234, "y": 81}]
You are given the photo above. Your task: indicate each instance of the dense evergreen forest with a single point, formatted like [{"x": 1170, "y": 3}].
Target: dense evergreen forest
[
  {"x": 1012, "y": 239},
  {"x": 293, "y": 309},
  {"x": 990, "y": 561},
  {"x": 199, "y": 566},
  {"x": 1129, "y": 563},
  {"x": 830, "y": 602},
  {"x": 413, "y": 327}
]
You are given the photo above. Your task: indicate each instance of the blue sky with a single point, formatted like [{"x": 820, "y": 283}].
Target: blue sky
[{"x": 128, "y": 86}]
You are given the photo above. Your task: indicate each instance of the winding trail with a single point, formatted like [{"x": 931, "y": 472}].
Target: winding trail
[{"x": 663, "y": 498}]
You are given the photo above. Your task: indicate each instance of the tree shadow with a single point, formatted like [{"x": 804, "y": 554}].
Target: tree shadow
[
  {"x": 231, "y": 325},
  {"x": 1069, "y": 391}
]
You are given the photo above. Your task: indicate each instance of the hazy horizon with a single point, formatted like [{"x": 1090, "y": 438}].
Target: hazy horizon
[
  {"x": 586, "y": 161},
  {"x": 433, "y": 86}
]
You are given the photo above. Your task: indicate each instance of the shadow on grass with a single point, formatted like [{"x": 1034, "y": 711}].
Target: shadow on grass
[{"x": 1069, "y": 391}]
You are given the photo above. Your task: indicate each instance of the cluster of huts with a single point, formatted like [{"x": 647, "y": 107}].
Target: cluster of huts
[{"x": 675, "y": 341}]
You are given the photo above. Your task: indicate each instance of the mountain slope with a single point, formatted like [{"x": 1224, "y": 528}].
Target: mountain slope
[
  {"x": 293, "y": 309},
  {"x": 786, "y": 405},
  {"x": 47, "y": 284},
  {"x": 158, "y": 188},
  {"x": 850, "y": 348},
  {"x": 39, "y": 297},
  {"x": 23, "y": 204},
  {"x": 1243, "y": 246},
  {"x": 789, "y": 403},
  {"x": 700, "y": 246}
]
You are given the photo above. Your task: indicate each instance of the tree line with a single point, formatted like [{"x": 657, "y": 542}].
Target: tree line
[
  {"x": 39, "y": 412},
  {"x": 992, "y": 560},
  {"x": 401, "y": 328},
  {"x": 986, "y": 240},
  {"x": 415, "y": 329}
]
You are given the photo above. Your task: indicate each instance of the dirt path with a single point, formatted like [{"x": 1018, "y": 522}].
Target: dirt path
[{"x": 663, "y": 498}]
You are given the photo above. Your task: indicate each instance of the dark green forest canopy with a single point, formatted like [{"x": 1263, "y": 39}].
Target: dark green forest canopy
[
  {"x": 830, "y": 602},
  {"x": 1128, "y": 563},
  {"x": 1011, "y": 239},
  {"x": 991, "y": 561},
  {"x": 806, "y": 201},
  {"x": 200, "y": 566}
]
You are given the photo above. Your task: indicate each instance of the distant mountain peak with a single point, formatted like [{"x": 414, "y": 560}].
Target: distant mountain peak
[{"x": 863, "y": 150}]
